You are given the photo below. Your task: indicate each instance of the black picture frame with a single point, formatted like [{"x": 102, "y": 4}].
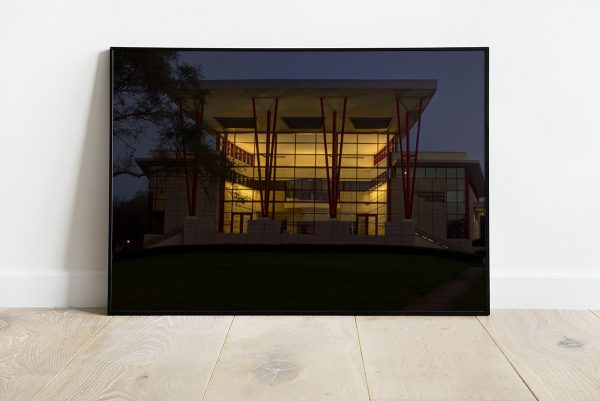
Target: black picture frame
[{"x": 273, "y": 308}]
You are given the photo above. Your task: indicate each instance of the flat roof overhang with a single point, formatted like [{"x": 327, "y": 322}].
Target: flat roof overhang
[{"x": 301, "y": 98}]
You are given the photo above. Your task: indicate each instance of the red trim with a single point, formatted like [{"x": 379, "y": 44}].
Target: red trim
[
  {"x": 237, "y": 153},
  {"x": 384, "y": 152}
]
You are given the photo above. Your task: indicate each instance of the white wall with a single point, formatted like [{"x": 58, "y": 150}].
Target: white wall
[{"x": 544, "y": 131}]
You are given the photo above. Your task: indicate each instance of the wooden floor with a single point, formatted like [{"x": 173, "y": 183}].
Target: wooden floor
[{"x": 513, "y": 355}]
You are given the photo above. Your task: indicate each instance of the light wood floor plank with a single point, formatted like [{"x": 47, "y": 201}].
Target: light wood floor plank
[
  {"x": 144, "y": 358},
  {"x": 35, "y": 344},
  {"x": 435, "y": 358},
  {"x": 556, "y": 352},
  {"x": 288, "y": 358}
]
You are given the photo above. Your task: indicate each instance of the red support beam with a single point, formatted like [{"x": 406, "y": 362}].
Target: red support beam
[
  {"x": 402, "y": 170},
  {"x": 467, "y": 206},
  {"x": 257, "y": 149},
  {"x": 266, "y": 185},
  {"x": 271, "y": 156},
  {"x": 274, "y": 157},
  {"x": 337, "y": 147},
  {"x": 334, "y": 159},
  {"x": 339, "y": 169},
  {"x": 388, "y": 193},
  {"x": 407, "y": 172},
  {"x": 274, "y": 177},
  {"x": 221, "y": 145},
  {"x": 326, "y": 154},
  {"x": 414, "y": 172},
  {"x": 185, "y": 167},
  {"x": 265, "y": 207}
]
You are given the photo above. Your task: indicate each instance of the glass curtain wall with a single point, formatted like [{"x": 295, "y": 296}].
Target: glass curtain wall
[{"x": 300, "y": 197}]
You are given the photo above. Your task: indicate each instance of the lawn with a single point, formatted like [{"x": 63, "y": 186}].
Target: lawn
[{"x": 214, "y": 280}]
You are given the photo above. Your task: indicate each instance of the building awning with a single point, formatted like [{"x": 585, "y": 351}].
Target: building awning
[{"x": 229, "y": 102}]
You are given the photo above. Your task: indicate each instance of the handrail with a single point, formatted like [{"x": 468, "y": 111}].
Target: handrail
[
  {"x": 437, "y": 241},
  {"x": 163, "y": 237}
]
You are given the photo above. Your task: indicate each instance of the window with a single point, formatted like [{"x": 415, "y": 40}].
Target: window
[
  {"x": 300, "y": 190},
  {"x": 455, "y": 203}
]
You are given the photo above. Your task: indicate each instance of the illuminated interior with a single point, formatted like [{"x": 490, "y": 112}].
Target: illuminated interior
[{"x": 300, "y": 196}]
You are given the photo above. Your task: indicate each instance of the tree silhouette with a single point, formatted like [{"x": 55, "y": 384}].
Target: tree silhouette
[
  {"x": 154, "y": 93},
  {"x": 141, "y": 80}
]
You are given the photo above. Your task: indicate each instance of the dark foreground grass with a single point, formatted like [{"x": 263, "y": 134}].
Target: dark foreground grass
[
  {"x": 278, "y": 282},
  {"x": 473, "y": 298}
]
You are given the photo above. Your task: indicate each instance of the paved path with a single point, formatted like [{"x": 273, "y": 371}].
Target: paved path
[{"x": 443, "y": 297}]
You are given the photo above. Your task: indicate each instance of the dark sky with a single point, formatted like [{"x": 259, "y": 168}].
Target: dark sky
[{"x": 453, "y": 121}]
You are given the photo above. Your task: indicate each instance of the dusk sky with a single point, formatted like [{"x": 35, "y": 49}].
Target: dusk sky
[{"x": 453, "y": 121}]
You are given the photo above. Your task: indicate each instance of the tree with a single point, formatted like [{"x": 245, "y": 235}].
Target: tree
[
  {"x": 141, "y": 80},
  {"x": 130, "y": 222},
  {"x": 155, "y": 93}
]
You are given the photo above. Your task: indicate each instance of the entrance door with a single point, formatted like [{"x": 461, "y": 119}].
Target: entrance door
[
  {"x": 239, "y": 222},
  {"x": 366, "y": 224}
]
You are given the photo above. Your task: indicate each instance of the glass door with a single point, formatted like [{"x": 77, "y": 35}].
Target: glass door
[
  {"x": 239, "y": 222},
  {"x": 366, "y": 224}
]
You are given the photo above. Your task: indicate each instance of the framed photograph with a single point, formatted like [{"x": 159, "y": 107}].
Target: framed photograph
[{"x": 299, "y": 181}]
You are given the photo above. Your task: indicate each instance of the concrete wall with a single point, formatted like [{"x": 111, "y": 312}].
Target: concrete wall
[{"x": 543, "y": 126}]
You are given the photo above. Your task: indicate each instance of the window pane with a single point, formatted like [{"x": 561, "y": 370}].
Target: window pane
[{"x": 440, "y": 172}]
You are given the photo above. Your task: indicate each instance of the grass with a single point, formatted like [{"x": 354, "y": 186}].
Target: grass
[
  {"x": 270, "y": 282},
  {"x": 473, "y": 299}
]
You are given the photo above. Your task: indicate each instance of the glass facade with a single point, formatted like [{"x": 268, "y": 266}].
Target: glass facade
[
  {"x": 442, "y": 192},
  {"x": 300, "y": 195}
]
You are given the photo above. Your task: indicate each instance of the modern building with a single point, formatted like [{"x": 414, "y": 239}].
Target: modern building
[{"x": 315, "y": 161}]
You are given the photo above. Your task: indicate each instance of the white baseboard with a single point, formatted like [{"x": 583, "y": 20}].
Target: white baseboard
[
  {"x": 509, "y": 289},
  {"x": 545, "y": 289},
  {"x": 64, "y": 288}
]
